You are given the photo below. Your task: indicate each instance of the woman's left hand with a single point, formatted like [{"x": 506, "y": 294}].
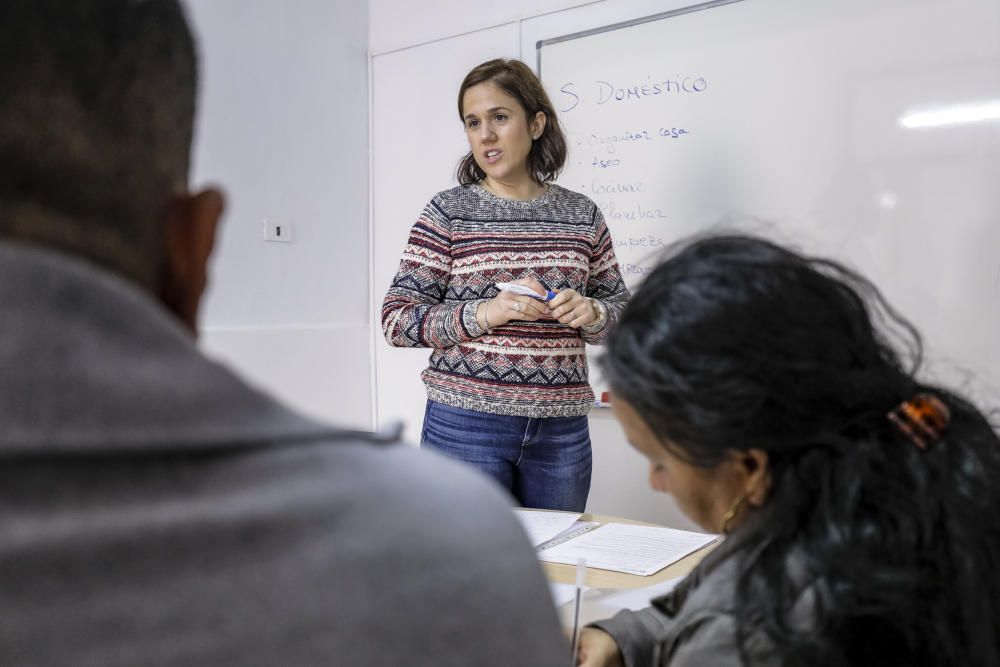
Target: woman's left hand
[
  {"x": 598, "y": 649},
  {"x": 572, "y": 308}
]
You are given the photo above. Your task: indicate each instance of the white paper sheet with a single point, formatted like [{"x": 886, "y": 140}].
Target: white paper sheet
[
  {"x": 636, "y": 598},
  {"x": 543, "y": 526},
  {"x": 641, "y": 550},
  {"x": 563, "y": 593}
]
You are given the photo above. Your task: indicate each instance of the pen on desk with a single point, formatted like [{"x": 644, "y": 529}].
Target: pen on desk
[{"x": 581, "y": 579}]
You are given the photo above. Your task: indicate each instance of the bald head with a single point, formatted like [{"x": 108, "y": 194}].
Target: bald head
[{"x": 96, "y": 112}]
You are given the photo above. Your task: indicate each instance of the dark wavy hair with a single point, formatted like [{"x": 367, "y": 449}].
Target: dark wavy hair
[
  {"x": 548, "y": 152},
  {"x": 734, "y": 343}
]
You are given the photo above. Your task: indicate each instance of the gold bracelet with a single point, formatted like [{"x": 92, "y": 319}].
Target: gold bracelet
[
  {"x": 599, "y": 315},
  {"x": 486, "y": 307}
]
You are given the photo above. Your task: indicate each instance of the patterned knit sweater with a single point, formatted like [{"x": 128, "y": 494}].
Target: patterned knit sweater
[{"x": 468, "y": 239}]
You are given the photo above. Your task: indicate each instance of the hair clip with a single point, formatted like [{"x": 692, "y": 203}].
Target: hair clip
[{"x": 922, "y": 419}]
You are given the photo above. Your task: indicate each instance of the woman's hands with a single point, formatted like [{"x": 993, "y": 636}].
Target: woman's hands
[
  {"x": 508, "y": 306},
  {"x": 568, "y": 307},
  {"x": 572, "y": 308},
  {"x": 598, "y": 649}
]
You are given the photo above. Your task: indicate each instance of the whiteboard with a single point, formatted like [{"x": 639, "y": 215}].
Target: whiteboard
[{"x": 783, "y": 117}]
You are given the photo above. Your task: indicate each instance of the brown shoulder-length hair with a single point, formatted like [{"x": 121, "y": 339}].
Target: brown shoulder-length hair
[{"x": 548, "y": 152}]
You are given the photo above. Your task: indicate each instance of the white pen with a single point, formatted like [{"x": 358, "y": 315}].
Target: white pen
[
  {"x": 527, "y": 291},
  {"x": 581, "y": 580}
]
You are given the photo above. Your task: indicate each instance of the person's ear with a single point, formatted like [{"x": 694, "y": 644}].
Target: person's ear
[
  {"x": 757, "y": 474},
  {"x": 538, "y": 124},
  {"x": 189, "y": 229}
]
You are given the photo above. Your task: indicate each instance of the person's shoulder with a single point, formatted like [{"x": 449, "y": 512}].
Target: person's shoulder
[
  {"x": 458, "y": 195},
  {"x": 572, "y": 201},
  {"x": 398, "y": 480},
  {"x": 456, "y": 553},
  {"x": 453, "y": 203},
  {"x": 565, "y": 194},
  {"x": 425, "y": 481},
  {"x": 388, "y": 488}
]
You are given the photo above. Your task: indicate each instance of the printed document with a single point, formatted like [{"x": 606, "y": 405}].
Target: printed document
[{"x": 641, "y": 550}]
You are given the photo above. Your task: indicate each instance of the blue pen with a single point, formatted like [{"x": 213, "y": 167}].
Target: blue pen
[{"x": 527, "y": 291}]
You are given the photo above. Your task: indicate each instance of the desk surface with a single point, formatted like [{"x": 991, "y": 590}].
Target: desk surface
[{"x": 566, "y": 574}]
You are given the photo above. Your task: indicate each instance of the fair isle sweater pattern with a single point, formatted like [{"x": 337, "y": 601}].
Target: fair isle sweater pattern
[{"x": 465, "y": 241}]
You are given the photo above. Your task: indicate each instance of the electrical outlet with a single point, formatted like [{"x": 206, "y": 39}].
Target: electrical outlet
[{"x": 281, "y": 232}]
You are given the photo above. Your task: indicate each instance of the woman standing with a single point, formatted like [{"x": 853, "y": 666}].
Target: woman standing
[{"x": 507, "y": 381}]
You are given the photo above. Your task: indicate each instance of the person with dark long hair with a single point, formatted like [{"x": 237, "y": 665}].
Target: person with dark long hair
[
  {"x": 777, "y": 398},
  {"x": 507, "y": 381}
]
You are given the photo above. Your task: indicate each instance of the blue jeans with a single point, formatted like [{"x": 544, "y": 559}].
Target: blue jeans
[{"x": 544, "y": 463}]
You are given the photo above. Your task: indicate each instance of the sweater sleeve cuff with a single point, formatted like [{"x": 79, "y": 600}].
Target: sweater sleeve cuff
[
  {"x": 597, "y": 325},
  {"x": 469, "y": 320}
]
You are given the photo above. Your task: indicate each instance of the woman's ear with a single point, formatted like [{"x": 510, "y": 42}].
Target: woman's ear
[
  {"x": 538, "y": 124},
  {"x": 189, "y": 231},
  {"x": 755, "y": 466}
]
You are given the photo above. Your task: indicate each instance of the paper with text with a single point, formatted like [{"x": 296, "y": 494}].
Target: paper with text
[{"x": 641, "y": 550}]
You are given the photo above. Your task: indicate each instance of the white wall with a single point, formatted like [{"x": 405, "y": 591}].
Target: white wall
[
  {"x": 399, "y": 24},
  {"x": 282, "y": 126},
  {"x": 434, "y": 141}
]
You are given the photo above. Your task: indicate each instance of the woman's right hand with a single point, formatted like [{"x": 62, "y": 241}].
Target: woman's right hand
[
  {"x": 598, "y": 649},
  {"x": 508, "y": 306}
]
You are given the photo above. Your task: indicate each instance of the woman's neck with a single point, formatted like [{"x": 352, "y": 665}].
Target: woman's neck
[{"x": 523, "y": 189}]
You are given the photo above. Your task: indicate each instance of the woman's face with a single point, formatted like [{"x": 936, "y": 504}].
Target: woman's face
[
  {"x": 704, "y": 495},
  {"x": 499, "y": 132}
]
